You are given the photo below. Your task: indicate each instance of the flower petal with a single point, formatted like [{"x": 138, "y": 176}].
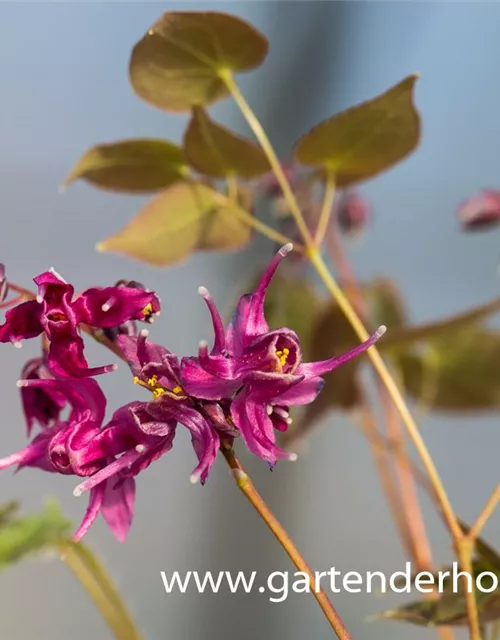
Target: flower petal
[
  {"x": 112, "y": 306},
  {"x": 66, "y": 359},
  {"x": 118, "y": 507},
  {"x": 95, "y": 502},
  {"x": 320, "y": 368},
  {"x": 22, "y": 322},
  {"x": 199, "y": 383}
]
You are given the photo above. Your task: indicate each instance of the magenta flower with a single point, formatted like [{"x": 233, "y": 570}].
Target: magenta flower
[
  {"x": 40, "y": 404},
  {"x": 157, "y": 369},
  {"x": 108, "y": 457},
  {"x": 56, "y": 313},
  {"x": 260, "y": 370},
  {"x": 482, "y": 211}
]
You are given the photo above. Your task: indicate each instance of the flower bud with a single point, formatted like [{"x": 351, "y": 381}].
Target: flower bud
[
  {"x": 480, "y": 212},
  {"x": 4, "y": 285},
  {"x": 353, "y": 213}
]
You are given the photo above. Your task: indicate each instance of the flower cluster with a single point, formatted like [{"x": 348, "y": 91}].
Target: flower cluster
[{"x": 244, "y": 386}]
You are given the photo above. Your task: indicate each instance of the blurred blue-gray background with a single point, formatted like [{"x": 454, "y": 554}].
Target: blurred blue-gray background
[{"x": 64, "y": 88}]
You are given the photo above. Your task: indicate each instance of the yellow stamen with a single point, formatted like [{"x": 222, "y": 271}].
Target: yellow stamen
[
  {"x": 148, "y": 310},
  {"x": 178, "y": 390}
]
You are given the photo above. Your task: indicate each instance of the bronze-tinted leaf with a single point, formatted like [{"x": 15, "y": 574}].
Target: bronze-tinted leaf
[
  {"x": 183, "y": 218},
  {"x": 449, "y": 610},
  {"x": 178, "y": 64},
  {"x": 460, "y": 372},
  {"x": 218, "y": 152},
  {"x": 367, "y": 139},
  {"x": 131, "y": 166},
  {"x": 405, "y": 336}
]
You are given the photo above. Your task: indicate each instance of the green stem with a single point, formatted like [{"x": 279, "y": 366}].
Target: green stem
[
  {"x": 98, "y": 585},
  {"x": 460, "y": 542},
  {"x": 326, "y": 209}
]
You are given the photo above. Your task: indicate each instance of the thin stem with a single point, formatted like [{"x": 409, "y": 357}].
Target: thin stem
[
  {"x": 96, "y": 582},
  {"x": 326, "y": 210},
  {"x": 419, "y": 546},
  {"x": 378, "y": 363},
  {"x": 394, "y": 498},
  {"x": 267, "y": 147},
  {"x": 485, "y": 514},
  {"x": 465, "y": 549},
  {"x": 253, "y": 222},
  {"x": 393, "y": 390},
  {"x": 247, "y": 487}
]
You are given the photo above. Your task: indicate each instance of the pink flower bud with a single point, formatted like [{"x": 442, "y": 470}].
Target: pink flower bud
[
  {"x": 353, "y": 213},
  {"x": 481, "y": 211}
]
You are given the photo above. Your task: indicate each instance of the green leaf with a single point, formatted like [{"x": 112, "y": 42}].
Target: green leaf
[
  {"x": 367, "y": 139},
  {"x": 24, "y": 536},
  {"x": 404, "y": 336},
  {"x": 450, "y": 608},
  {"x": 131, "y": 166},
  {"x": 217, "y": 152},
  {"x": 180, "y": 62},
  {"x": 460, "y": 372},
  {"x": 184, "y": 218}
]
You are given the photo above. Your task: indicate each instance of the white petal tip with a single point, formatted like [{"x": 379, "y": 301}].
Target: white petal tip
[
  {"x": 269, "y": 409},
  {"x": 18, "y": 344},
  {"x": 203, "y": 344},
  {"x": 380, "y": 331},
  {"x": 203, "y": 292},
  {"x": 141, "y": 448},
  {"x": 21, "y": 383},
  {"x": 289, "y": 420},
  {"x": 286, "y": 248},
  {"x": 293, "y": 457},
  {"x": 194, "y": 478},
  {"x": 113, "y": 367},
  {"x": 106, "y": 307},
  {"x": 144, "y": 333},
  {"x": 77, "y": 492},
  {"x": 39, "y": 299}
]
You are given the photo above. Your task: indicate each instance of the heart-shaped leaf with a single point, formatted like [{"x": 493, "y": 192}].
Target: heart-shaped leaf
[
  {"x": 181, "y": 60},
  {"x": 185, "y": 217},
  {"x": 367, "y": 139},
  {"x": 131, "y": 166},
  {"x": 218, "y": 152}
]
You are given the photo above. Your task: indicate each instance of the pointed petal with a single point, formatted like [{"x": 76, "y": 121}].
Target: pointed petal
[
  {"x": 204, "y": 438},
  {"x": 86, "y": 398},
  {"x": 95, "y": 502},
  {"x": 302, "y": 393},
  {"x": 112, "y": 469},
  {"x": 249, "y": 320},
  {"x": 118, "y": 507},
  {"x": 66, "y": 359},
  {"x": 112, "y": 306},
  {"x": 320, "y": 368},
  {"x": 257, "y": 428},
  {"x": 201, "y": 384},
  {"x": 218, "y": 324},
  {"x": 22, "y": 322}
]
